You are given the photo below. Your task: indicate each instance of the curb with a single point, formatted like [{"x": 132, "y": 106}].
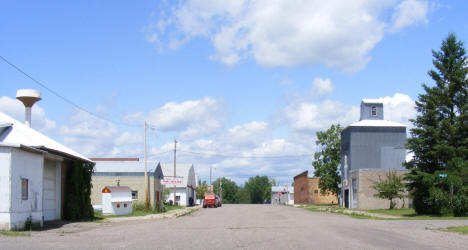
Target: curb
[{"x": 171, "y": 214}]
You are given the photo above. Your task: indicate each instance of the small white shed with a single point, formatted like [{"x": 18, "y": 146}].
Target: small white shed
[{"x": 117, "y": 200}]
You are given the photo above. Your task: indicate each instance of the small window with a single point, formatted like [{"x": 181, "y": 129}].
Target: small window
[
  {"x": 315, "y": 191},
  {"x": 177, "y": 198},
  {"x": 24, "y": 189},
  {"x": 373, "y": 111},
  {"x": 135, "y": 195}
]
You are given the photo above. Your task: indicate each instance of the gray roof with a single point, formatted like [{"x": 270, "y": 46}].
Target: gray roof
[{"x": 16, "y": 133}]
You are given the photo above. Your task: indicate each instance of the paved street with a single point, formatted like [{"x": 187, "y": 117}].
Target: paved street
[{"x": 247, "y": 227}]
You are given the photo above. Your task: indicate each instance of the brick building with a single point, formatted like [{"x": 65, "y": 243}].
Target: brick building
[{"x": 306, "y": 191}]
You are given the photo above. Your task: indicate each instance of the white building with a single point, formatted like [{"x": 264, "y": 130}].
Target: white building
[
  {"x": 185, "y": 191},
  {"x": 32, "y": 167},
  {"x": 282, "y": 195}
]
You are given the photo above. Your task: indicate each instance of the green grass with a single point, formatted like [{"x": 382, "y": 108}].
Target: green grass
[
  {"x": 14, "y": 233},
  {"x": 410, "y": 214},
  {"x": 461, "y": 229},
  {"x": 139, "y": 209}
]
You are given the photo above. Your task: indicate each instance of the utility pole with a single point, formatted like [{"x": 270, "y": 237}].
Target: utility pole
[
  {"x": 175, "y": 180},
  {"x": 221, "y": 189},
  {"x": 146, "y": 173}
]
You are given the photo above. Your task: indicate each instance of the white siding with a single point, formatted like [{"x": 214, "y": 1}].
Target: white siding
[
  {"x": 51, "y": 191},
  {"x": 5, "y": 184},
  {"x": 26, "y": 165}
]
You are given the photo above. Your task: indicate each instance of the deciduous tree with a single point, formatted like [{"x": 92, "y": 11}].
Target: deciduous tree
[
  {"x": 390, "y": 188},
  {"x": 327, "y": 159}
]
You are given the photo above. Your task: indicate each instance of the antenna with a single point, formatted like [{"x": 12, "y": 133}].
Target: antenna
[{"x": 28, "y": 97}]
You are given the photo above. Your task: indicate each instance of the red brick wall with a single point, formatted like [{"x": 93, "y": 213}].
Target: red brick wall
[{"x": 301, "y": 189}]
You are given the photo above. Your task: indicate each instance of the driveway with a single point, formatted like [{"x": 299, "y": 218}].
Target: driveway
[{"x": 247, "y": 227}]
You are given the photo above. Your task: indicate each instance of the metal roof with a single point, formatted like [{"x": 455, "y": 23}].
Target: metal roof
[
  {"x": 372, "y": 101},
  {"x": 376, "y": 123},
  {"x": 16, "y": 132}
]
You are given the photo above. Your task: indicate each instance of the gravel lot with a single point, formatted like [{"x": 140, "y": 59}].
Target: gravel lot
[{"x": 247, "y": 227}]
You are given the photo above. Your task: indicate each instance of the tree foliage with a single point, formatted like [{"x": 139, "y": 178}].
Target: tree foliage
[
  {"x": 327, "y": 160},
  {"x": 201, "y": 189},
  {"x": 229, "y": 190},
  {"x": 390, "y": 188},
  {"x": 438, "y": 178},
  {"x": 78, "y": 191},
  {"x": 259, "y": 189}
]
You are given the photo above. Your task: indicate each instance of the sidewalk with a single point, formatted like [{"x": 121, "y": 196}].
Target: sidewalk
[{"x": 170, "y": 214}]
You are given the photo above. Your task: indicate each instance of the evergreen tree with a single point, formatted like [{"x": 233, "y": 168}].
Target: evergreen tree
[
  {"x": 326, "y": 160},
  {"x": 438, "y": 178}
]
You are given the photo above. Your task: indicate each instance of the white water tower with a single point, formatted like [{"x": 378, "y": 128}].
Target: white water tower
[{"x": 28, "y": 97}]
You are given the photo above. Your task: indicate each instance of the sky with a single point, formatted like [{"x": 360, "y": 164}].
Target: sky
[{"x": 243, "y": 86}]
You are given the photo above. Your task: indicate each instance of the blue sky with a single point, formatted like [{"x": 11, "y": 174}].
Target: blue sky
[{"x": 223, "y": 77}]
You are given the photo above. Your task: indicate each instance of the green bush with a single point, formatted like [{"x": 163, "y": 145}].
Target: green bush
[{"x": 78, "y": 191}]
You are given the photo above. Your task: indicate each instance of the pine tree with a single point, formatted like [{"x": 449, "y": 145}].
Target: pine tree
[{"x": 438, "y": 178}]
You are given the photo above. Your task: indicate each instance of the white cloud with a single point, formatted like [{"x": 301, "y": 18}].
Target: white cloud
[
  {"x": 399, "y": 108},
  {"x": 321, "y": 87},
  {"x": 309, "y": 117},
  {"x": 95, "y": 137},
  {"x": 191, "y": 119},
  {"x": 15, "y": 109},
  {"x": 339, "y": 34},
  {"x": 408, "y": 13}
]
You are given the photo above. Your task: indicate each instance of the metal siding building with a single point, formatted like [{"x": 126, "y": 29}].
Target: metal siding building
[{"x": 372, "y": 145}]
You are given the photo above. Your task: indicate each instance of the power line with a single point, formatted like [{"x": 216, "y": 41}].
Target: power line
[
  {"x": 247, "y": 157},
  {"x": 62, "y": 97}
]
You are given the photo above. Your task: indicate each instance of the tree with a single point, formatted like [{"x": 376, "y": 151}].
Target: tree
[
  {"x": 228, "y": 190},
  {"x": 438, "y": 177},
  {"x": 326, "y": 160},
  {"x": 242, "y": 196},
  {"x": 390, "y": 188},
  {"x": 259, "y": 189},
  {"x": 201, "y": 189}
]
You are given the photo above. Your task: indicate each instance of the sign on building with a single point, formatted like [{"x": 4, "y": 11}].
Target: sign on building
[{"x": 170, "y": 180}]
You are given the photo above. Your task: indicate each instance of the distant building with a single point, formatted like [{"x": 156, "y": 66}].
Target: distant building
[
  {"x": 33, "y": 170},
  {"x": 185, "y": 191},
  {"x": 369, "y": 149},
  {"x": 282, "y": 195},
  {"x": 127, "y": 172},
  {"x": 130, "y": 172},
  {"x": 307, "y": 191}
]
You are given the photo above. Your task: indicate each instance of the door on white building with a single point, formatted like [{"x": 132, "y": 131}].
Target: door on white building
[{"x": 49, "y": 191}]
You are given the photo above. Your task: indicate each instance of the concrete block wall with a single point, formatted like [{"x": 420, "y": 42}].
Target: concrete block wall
[{"x": 366, "y": 199}]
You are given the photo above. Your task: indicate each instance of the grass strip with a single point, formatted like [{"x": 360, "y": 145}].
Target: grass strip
[{"x": 14, "y": 233}]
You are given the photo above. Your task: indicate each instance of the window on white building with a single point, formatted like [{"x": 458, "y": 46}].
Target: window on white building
[
  {"x": 24, "y": 189},
  {"x": 373, "y": 111},
  {"x": 135, "y": 195}
]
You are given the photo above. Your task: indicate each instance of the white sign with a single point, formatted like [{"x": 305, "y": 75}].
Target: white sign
[{"x": 172, "y": 181}]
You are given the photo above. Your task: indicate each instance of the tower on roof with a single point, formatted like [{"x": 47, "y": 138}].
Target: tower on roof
[{"x": 371, "y": 109}]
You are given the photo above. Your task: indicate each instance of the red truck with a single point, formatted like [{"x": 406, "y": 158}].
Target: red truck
[{"x": 210, "y": 200}]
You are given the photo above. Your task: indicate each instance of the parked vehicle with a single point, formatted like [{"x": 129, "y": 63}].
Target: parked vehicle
[
  {"x": 218, "y": 201},
  {"x": 210, "y": 200}
]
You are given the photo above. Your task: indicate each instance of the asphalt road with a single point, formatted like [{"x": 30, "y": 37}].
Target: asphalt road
[{"x": 247, "y": 227}]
